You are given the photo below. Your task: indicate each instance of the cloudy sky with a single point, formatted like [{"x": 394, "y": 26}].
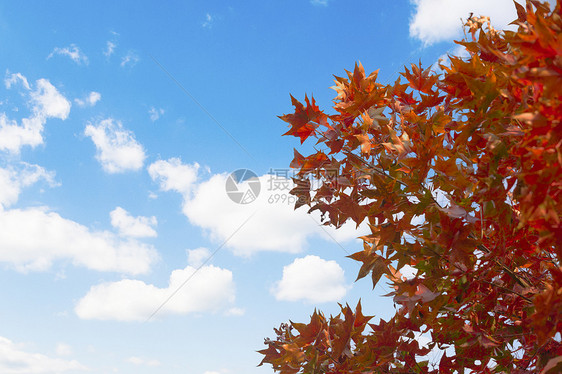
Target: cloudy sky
[{"x": 120, "y": 249}]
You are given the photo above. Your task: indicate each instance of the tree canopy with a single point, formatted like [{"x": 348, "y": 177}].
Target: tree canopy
[{"x": 457, "y": 172}]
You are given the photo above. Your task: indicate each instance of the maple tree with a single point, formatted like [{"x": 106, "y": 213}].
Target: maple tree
[{"x": 458, "y": 175}]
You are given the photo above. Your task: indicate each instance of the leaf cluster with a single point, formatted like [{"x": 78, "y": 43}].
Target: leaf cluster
[{"x": 457, "y": 174}]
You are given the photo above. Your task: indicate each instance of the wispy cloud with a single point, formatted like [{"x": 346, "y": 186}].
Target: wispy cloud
[
  {"x": 15, "y": 177},
  {"x": 208, "y": 23},
  {"x": 155, "y": 113},
  {"x": 45, "y": 102},
  {"x": 90, "y": 100},
  {"x": 130, "y": 59},
  {"x": 109, "y": 48},
  {"x": 117, "y": 149},
  {"x": 111, "y": 45},
  {"x": 13, "y": 137},
  {"x": 73, "y": 52},
  {"x": 13, "y": 359},
  {"x": 174, "y": 175},
  {"x": 136, "y": 227},
  {"x": 12, "y": 79},
  {"x": 48, "y": 101}
]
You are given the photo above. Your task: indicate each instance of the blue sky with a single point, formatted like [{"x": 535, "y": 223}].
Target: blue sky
[{"x": 120, "y": 250}]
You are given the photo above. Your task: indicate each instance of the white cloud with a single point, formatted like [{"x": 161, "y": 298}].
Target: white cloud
[
  {"x": 14, "y": 360},
  {"x": 46, "y": 102},
  {"x": 208, "y": 23},
  {"x": 109, "y": 48},
  {"x": 311, "y": 279},
  {"x": 63, "y": 349},
  {"x": 274, "y": 227},
  {"x": 12, "y": 79},
  {"x": 274, "y": 224},
  {"x": 130, "y": 59},
  {"x": 155, "y": 113},
  {"x": 196, "y": 257},
  {"x": 73, "y": 52},
  {"x": 173, "y": 175},
  {"x": 89, "y": 100},
  {"x": 209, "y": 290},
  {"x": 32, "y": 239},
  {"x": 14, "y": 178},
  {"x": 143, "y": 361},
  {"x": 13, "y": 136},
  {"x": 319, "y": 2},
  {"x": 440, "y": 20},
  {"x": 235, "y": 312},
  {"x": 117, "y": 149},
  {"x": 136, "y": 227}
]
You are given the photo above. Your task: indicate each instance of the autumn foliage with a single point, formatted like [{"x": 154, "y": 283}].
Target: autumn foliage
[{"x": 459, "y": 175}]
